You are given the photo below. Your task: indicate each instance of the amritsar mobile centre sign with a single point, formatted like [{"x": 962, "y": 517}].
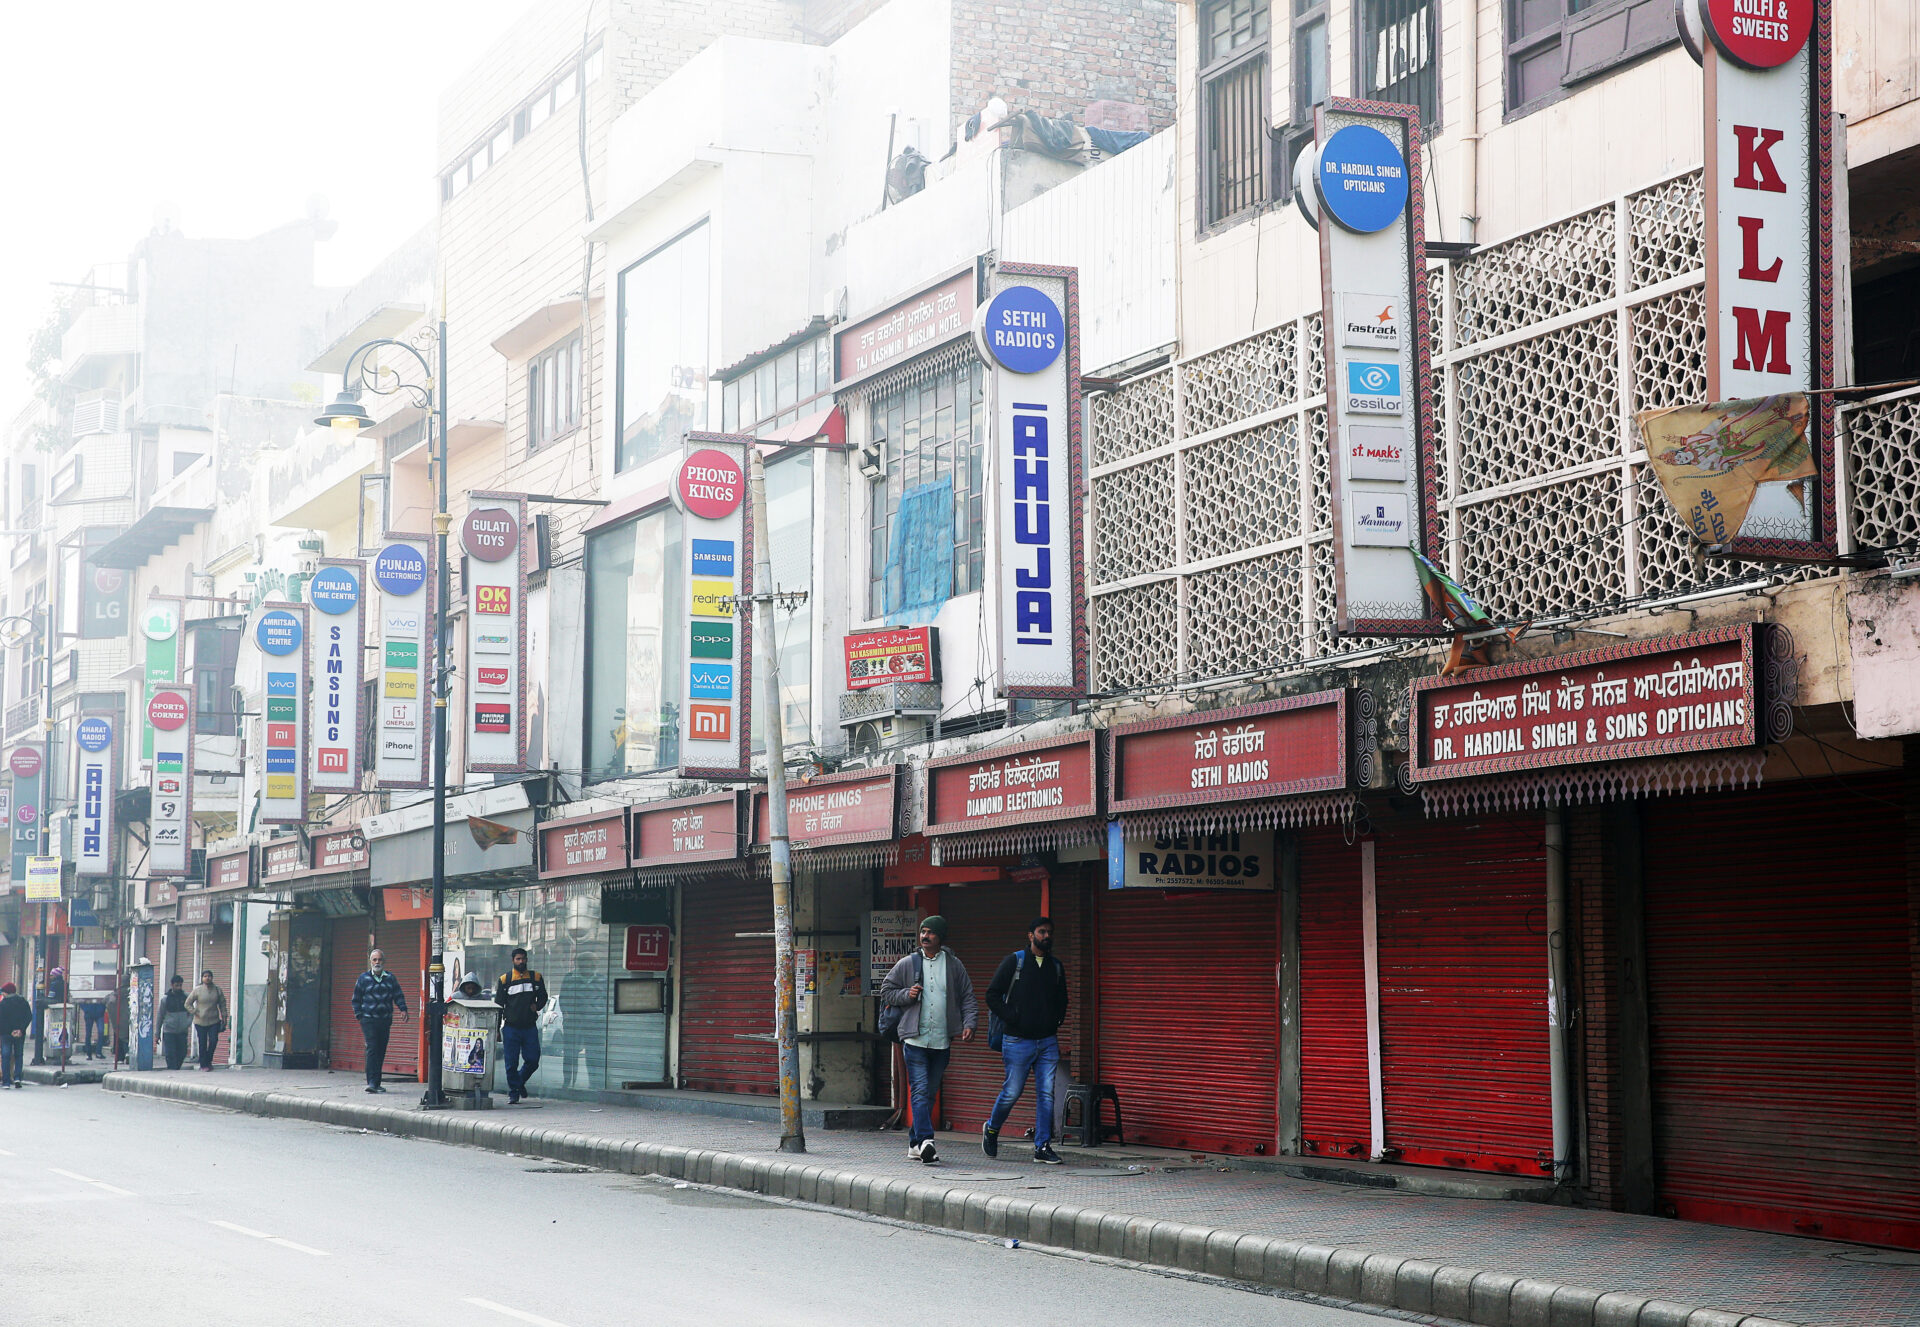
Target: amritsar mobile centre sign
[
  {"x": 281, "y": 634},
  {"x": 1028, "y": 332}
]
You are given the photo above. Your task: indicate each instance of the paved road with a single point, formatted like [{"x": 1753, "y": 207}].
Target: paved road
[{"x": 117, "y": 1209}]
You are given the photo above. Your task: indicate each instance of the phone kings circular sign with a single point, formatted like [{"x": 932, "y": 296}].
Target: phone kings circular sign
[{"x": 710, "y": 484}]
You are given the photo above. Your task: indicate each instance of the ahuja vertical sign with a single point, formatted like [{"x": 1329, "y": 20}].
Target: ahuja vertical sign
[
  {"x": 170, "y": 724},
  {"x": 335, "y": 649},
  {"x": 493, "y": 536},
  {"x": 281, "y": 634},
  {"x": 93, "y": 775},
  {"x": 402, "y": 627},
  {"x": 1029, "y": 333},
  {"x": 716, "y": 682}
]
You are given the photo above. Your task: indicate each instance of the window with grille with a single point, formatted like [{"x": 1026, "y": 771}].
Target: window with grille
[
  {"x": 1236, "y": 147},
  {"x": 779, "y": 389},
  {"x": 1553, "y": 45},
  {"x": 926, "y": 506},
  {"x": 1309, "y": 65},
  {"x": 1397, "y": 53},
  {"x": 553, "y": 393}
]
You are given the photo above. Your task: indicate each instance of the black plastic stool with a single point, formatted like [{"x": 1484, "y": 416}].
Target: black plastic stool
[{"x": 1090, "y": 1131}]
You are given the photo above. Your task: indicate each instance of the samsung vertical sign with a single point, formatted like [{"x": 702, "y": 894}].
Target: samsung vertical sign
[
  {"x": 1029, "y": 334},
  {"x": 334, "y": 658}
]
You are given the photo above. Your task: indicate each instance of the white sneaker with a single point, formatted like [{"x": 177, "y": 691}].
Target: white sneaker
[
  {"x": 913, "y": 1151},
  {"x": 928, "y": 1153}
]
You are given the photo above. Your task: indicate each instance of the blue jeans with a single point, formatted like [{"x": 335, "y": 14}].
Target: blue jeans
[
  {"x": 1023, "y": 1057},
  {"x": 95, "y": 1018},
  {"x": 520, "y": 1048},
  {"x": 11, "y": 1046},
  {"x": 925, "y": 1069}
]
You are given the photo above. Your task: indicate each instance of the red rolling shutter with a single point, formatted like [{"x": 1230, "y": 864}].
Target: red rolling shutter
[
  {"x": 216, "y": 952},
  {"x": 402, "y": 944},
  {"x": 1461, "y": 908},
  {"x": 727, "y": 986},
  {"x": 1780, "y": 986},
  {"x": 348, "y": 943},
  {"x": 985, "y": 923},
  {"x": 1336, "y": 1117},
  {"x": 1189, "y": 1017}
]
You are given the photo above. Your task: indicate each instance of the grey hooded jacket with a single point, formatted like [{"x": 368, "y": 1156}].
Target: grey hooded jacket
[{"x": 961, "y": 1006}]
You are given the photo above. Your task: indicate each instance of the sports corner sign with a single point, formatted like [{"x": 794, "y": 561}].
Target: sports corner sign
[
  {"x": 281, "y": 633},
  {"x": 170, "y": 781},
  {"x": 403, "y": 612},
  {"x": 335, "y": 654},
  {"x": 493, "y": 537},
  {"x": 1029, "y": 334},
  {"x": 1360, "y": 184},
  {"x": 716, "y": 686},
  {"x": 93, "y": 775},
  {"x": 1770, "y": 255}
]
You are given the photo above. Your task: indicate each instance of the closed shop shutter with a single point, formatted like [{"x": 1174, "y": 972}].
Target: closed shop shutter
[
  {"x": 1336, "y": 1116},
  {"x": 1189, "y": 1017},
  {"x": 216, "y": 952},
  {"x": 1461, "y": 911},
  {"x": 348, "y": 941},
  {"x": 1781, "y": 1010},
  {"x": 727, "y": 981},
  {"x": 985, "y": 923},
  {"x": 403, "y": 945}
]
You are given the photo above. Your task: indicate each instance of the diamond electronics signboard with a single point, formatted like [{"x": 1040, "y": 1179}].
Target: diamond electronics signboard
[
  {"x": 170, "y": 725},
  {"x": 334, "y": 657},
  {"x": 493, "y": 537},
  {"x": 24, "y": 763},
  {"x": 1769, "y": 241},
  {"x": 1668, "y": 696},
  {"x": 160, "y": 632},
  {"x": 1029, "y": 334},
  {"x": 281, "y": 634},
  {"x": 710, "y": 488},
  {"x": 1028, "y": 783},
  {"x": 1360, "y": 184},
  {"x": 401, "y": 627},
  {"x": 93, "y": 773},
  {"x": 892, "y": 654}
]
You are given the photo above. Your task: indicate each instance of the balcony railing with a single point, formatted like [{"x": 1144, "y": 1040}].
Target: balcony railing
[{"x": 22, "y": 716}]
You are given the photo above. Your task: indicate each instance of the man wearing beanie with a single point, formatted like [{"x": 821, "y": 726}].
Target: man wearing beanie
[
  {"x": 16, "y": 1016},
  {"x": 935, "y": 998}
]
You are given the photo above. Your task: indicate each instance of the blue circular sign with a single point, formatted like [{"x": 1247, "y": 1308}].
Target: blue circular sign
[
  {"x": 93, "y": 734},
  {"x": 1362, "y": 179},
  {"x": 278, "y": 632},
  {"x": 400, "y": 570},
  {"x": 335, "y": 590},
  {"x": 1023, "y": 329}
]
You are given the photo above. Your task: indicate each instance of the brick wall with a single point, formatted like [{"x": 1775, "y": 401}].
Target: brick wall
[
  {"x": 1057, "y": 58},
  {"x": 1596, "y": 978}
]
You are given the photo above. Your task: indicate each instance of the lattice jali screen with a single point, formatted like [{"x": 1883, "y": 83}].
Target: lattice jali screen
[
  {"x": 1537, "y": 405},
  {"x": 1239, "y": 490},
  {"x": 1136, "y": 636},
  {"x": 1248, "y": 378},
  {"x": 1536, "y": 277},
  {"x": 1884, "y": 443},
  {"x": 1133, "y": 527},
  {"x": 1669, "y": 351},
  {"x": 1245, "y": 615},
  {"x": 1547, "y": 551},
  {"x": 1133, "y": 419},
  {"x": 1666, "y": 231}
]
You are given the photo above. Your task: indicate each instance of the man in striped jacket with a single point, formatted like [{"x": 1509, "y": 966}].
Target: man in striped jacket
[{"x": 376, "y": 994}]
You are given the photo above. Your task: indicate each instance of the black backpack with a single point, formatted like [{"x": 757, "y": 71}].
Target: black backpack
[
  {"x": 890, "y": 1013},
  {"x": 996, "y": 1029}
]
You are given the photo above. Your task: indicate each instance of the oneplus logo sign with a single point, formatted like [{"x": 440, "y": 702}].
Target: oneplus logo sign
[
  {"x": 1032, "y": 526},
  {"x": 710, "y": 723}
]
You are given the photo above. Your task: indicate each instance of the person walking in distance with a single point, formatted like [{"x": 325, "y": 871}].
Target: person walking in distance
[
  {"x": 208, "y": 1004},
  {"x": 1028, "y": 994},
  {"x": 376, "y": 994},
  {"x": 522, "y": 994},
  {"x": 16, "y": 1016},
  {"x": 935, "y": 997},
  {"x": 174, "y": 1020}
]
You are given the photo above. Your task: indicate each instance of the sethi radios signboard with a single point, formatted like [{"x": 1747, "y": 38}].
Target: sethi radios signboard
[
  {"x": 716, "y": 686},
  {"x": 496, "y": 581},
  {"x": 281, "y": 634},
  {"x": 1360, "y": 185},
  {"x": 403, "y": 613},
  {"x": 170, "y": 782},
  {"x": 93, "y": 775},
  {"x": 1770, "y": 257},
  {"x": 1029, "y": 333},
  {"x": 334, "y": 658}
]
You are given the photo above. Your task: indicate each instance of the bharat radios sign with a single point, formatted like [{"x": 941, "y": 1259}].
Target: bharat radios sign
[
  {"x": 1029, "y": 333},
  {"x": 334, "y": 656}
]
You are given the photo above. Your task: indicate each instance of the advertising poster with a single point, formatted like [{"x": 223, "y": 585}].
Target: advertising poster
[
  {"x": 891, "y": 936},
  {"x": 493, "y": 536},
  {"x": 402, "y": 627},
  {"x": 334, "y": 660}
]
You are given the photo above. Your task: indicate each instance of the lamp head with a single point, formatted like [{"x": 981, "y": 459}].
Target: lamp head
[{"x": 346, "y": 413}]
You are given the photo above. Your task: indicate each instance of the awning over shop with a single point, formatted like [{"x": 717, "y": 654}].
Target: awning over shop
[
  {"x": 154, "y": 533},
  {"x": 823, "y": 427},
  {"x": 407, "y": 858}
]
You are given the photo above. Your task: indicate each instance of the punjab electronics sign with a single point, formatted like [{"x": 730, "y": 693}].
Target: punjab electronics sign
[
  {"x": 1660, "y": 697},
  {"x": 1029, "y": 334},
  {"x": 335, "y": 657},
  {"x": 493, "y": 536},
  {"x": 590, "y": 845},
  {"x": 1769, "y": 237},
  {"x": 691, "y": 829},
  {"x": 404, "y": 612},
  {"x": 93, "y": 771},
  {"x": 1277, "y": 749},
  {"x": 1016, "y": 785},
  {"x": 716, "y": 687},
  {"x": 170, "y": 784},
  {"x": 892, "y": 654},
  {"x": 281, "y": 634},
  {"x": 1360, "y": 184}
]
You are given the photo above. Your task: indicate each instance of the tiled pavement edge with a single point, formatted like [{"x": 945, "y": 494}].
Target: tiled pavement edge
[{"x": 1490, "y": 1299}]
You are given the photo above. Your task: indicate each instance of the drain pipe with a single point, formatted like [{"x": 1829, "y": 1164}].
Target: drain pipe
[{"x": 1559, "y": 996}]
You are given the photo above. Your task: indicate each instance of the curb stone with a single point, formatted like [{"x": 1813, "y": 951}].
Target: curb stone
[{"x": 1378, "y": 1280}]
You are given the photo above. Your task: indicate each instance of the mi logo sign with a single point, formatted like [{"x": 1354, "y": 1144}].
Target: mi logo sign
[{"x": 710, "y": 723}]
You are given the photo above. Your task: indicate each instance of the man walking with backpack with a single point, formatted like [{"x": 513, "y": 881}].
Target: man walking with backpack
[
  {"x": 934, "y": 995},
  {"x": 1028, "y": 996}
]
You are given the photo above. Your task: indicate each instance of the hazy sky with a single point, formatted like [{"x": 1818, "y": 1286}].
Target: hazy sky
[{"x": 233, "y": 113}]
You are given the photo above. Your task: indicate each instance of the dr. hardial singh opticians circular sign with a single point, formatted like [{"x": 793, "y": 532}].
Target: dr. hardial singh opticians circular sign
[{"x": 1362, "y": 181}]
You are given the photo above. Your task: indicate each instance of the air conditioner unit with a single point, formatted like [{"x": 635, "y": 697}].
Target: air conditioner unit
[{"x": 871, "y": 737}]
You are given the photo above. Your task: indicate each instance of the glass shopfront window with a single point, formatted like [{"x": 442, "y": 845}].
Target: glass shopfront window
[
  {"x": 662, "y": 390},
  {"x": 634, "y": 659},
  {"x": 925, "y": 523},
  {"x": 790, "y": 514}
]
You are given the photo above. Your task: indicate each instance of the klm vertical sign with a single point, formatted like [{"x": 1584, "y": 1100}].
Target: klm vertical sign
[{"x": 1028, "y": 332}]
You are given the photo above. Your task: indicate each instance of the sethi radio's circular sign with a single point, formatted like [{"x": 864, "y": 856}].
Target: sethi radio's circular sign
[
  {"x": 1362, "y": 179},
  {"x": 490, "y": 534},
  {"x": 710, "y": 485},
  {"x": 278, "y": 632},
  {"x": 24, "y": 762},
  {"x": 167, "y": 711},
  {"x": 335, "y": 590},
  {"x": 400, "y": 570},
  {"x": 93, "y": 734},
  {"x": 1022, "y": 330},
  {"x": 1759, "y": 34}
]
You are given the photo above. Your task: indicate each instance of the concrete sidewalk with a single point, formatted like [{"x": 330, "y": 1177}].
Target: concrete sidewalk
[{"x": 1500, "y": 1264}]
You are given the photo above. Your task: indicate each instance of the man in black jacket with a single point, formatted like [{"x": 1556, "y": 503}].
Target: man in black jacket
[
  {"x": 1028, "y": 994},
  {"x": 16, "y": 1016},
  {"x": 522, "y": 994}
]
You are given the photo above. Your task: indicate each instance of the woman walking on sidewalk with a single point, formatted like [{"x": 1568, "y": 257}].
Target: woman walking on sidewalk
[
  {"x": 175, "y": 1019},
  {"x": 208, "y": 1004}
]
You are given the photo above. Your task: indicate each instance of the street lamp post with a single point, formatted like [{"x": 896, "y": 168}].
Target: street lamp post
[{"x": 348, "y": 415}]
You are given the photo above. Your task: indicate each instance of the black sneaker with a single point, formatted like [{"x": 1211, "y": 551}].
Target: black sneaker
[
  {"x": 928, "y": 1153},
  {"x": 1046, "y": 1156},
  {"x": 990, "y": 1141}
]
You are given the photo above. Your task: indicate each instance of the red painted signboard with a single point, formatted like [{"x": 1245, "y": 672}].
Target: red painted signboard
[
  {"x": 340, "y": 850},
  {"x": 196, "y": 909},
  {"x": 587, "y": 846},
  {"x": 1014, "y": 785},
  {"x": 1659, "y": 697},
  {"x": 854, "y": 807},
  {"x": 1281, "y": 748},
  {"x": 280, "y": 860},
  {"x": 232, "y": 871},
  {"x": 649, "y": 948},
  {"x": 909, "y": 328},
  {"x": 689, "y": 829},
  {"x": 894, "y": 654}
]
